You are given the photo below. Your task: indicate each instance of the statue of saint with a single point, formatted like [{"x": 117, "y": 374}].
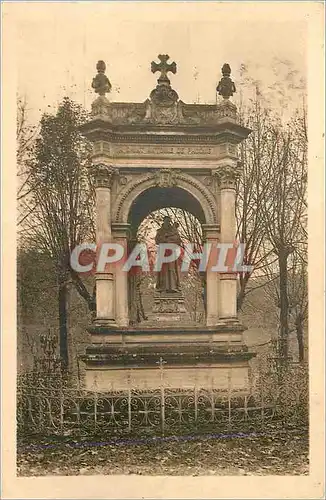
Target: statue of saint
[{"x": 168, "y": 279}]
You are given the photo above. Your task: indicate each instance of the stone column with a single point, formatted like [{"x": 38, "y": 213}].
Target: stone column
[
  {"x": 121, "y": 234},
  {"x": 211, "y": 237},
  {"x": 102, "y": 178},
  {"x": 227, "y": 175}
]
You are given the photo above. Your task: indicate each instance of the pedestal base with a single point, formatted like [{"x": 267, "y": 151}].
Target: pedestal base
[
  {"x": 169, "y": 309},
  {"x": 225, "y": 377},
  {"x": 176, "y": 357}
]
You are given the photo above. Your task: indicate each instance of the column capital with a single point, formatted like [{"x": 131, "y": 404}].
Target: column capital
[
  {"x": 227, "y": 175},
  {"x": 102, "y": 175},
  {"x": 120, "y": 229},
  {"x": 211, "y": 231}
]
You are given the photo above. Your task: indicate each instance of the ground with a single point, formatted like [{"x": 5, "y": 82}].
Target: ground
[{"x": 275, "y": 453}]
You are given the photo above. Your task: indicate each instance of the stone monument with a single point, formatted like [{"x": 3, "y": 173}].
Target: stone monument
[{"x": 149, "y": 155}]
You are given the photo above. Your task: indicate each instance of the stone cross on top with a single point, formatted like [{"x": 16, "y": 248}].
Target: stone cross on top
[{"x": 164, "y": 67}]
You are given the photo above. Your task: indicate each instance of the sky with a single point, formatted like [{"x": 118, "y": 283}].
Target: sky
[{"x": 58, "y": 45}]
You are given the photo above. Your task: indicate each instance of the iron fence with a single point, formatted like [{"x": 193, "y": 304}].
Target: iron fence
[{"x": 51, "y": 406}]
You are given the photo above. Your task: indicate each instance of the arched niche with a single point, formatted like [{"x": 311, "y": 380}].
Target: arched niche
[
  {"x": 143, "y": 195},
  {"x": 155, "y": 198}
]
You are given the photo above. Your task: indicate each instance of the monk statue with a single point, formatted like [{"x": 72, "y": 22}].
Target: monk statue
[{"x": 168, "y": 279}]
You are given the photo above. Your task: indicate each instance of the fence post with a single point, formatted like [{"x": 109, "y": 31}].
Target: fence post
[
  {"x": 61, "y": 410},
  {"x": 229, "y": 399},
  {"x": 162, "y": 396},
  {"x": 78, "y": 412},
  {"x": 95, "y": 411},
  {"x": 129, "y": 408},
  {"x": 262, "y": 405},
  {"x": 196, "y": 404},
  {"x": 246, "y": 408},
  {"x": 40, "y": 412},
  {"x": 212, "y": 406}
]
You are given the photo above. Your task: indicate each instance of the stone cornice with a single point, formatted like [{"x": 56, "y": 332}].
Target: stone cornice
[
  {"x": 102, "y": 130},
  {"x": 171, "y": 352},
  {"x": 221, "y": 327},
  {"x": 193, "y": 359}
]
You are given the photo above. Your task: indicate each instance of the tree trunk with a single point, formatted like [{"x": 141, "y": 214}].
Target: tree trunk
[
  {"x": 63, "y": 320},
  {"x": 284, "y": 306},
  {"x": 242, "y": 292},
  {"x": 83, "y": 292},
  {"x": 299, "y": 330}
]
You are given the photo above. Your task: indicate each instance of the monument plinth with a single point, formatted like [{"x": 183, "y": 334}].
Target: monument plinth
[{"x": 169, "y": 309}]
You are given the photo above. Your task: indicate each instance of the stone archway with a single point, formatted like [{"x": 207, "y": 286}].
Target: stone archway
[
  {"x": 189, "y": 190},
  {"x": 156, "y": 198},
  {"x": 142, "y": 154}
]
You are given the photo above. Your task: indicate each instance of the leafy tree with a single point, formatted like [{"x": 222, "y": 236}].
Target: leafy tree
[{"x": 62, "y": 201}]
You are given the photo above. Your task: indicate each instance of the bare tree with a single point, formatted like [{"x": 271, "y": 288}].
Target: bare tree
[
  {"x": 262, "y": 110},
  {"x": 26, "y": 134},
  {"x": 298, "y": 297},
  {"x": 251, "y": 191},
  {"x": 284, "y": 207}
]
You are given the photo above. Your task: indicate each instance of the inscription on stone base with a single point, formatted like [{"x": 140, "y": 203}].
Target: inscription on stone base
[
  {"x": 148, "y": 150},
  {"x": 169, "y": 309},
  {"x": 116, "y": 150},
  {"x": 169, "y": 303}
]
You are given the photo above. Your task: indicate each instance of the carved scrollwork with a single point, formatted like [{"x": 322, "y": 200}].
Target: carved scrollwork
[
  {"x": 163, "y": 115},
  {"x": 164, "y": 96},
  {"x": 128, "y": 113},
  {"x": 227, "y": 176},
  {"x": 208, "y": 180},
  {"x": 166, "y": 177},
  {"x": 123, "y": 180},
  {"x": 169, "y": 305},
  {"x": 102, "y": 175}
]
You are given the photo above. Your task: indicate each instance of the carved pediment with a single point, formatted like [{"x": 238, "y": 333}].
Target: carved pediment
[
  {"x": 208, "y": 114},
  {"x": 119, "y": 113},
  {"x": 148, "y": 112}
]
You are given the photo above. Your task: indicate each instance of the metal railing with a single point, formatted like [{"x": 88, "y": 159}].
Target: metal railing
[{"x": 49, "y": 406}]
